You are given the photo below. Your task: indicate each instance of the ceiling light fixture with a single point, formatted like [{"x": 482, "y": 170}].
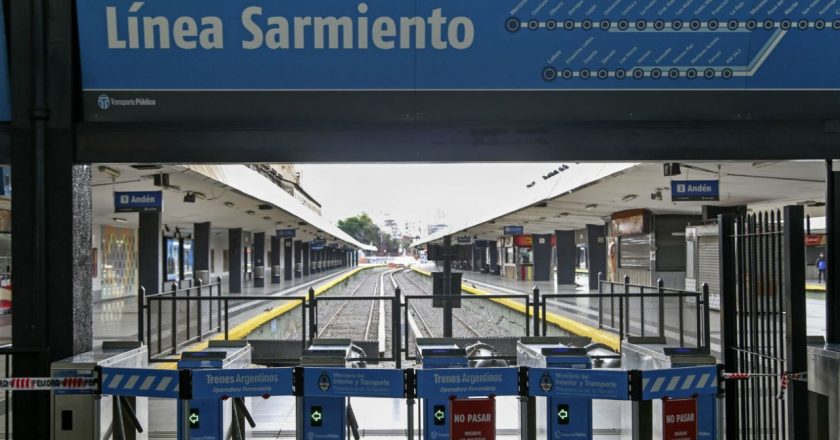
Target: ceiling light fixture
[
  {"x": 120, "y": 220},
  {"x": 628, "y": 198},
  {"x": 249, "y": 212},
  {"x": 591, "y": 207},
  {"x": 229, "y": 204},
  {"x": 109, "y": 171},
  {"x": 266, "y": 218}
]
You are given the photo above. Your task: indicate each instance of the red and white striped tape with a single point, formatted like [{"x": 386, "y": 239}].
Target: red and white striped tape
[{"x": 47, "y": 383}]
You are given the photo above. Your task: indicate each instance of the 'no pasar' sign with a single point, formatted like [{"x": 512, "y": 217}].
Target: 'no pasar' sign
[
  {"x": 679, "y": 419},
  {"x": 473, "y": 419}
]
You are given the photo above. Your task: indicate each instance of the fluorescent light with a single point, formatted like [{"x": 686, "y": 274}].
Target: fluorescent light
[
  {"x": 109, "y": 171},
  {"x": 628, "y": 198},
  {"x": 120, "y": 220},
  {"x": 591, "y": 207}
]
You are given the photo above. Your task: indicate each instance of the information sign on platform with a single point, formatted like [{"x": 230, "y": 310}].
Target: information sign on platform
[
  {"x": 514, "y": 230},
  {"x": 138, "y": 201},
  {"x": 248, "y": 382},
  {"x": 695, "y": 190},
  {"x": 679, "y": 419},
  {"x": 353, "y": 382},
  {"x": 570, "y": 382},
  {"x": 286, "y": 233},
  {"x": 467, "y": 382},
  {"x": 472, "y": 419}
]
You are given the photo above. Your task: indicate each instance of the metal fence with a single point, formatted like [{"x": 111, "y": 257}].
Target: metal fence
[{"x": 763, "y": 323}]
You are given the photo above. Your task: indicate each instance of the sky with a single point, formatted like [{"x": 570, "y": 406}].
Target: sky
[{"x": 419, "y": 193}]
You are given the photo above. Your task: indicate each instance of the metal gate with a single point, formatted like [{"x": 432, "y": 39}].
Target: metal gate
[{"x": 762, "y": 273}]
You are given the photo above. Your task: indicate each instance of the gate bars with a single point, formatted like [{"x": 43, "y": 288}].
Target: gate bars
[{"x": 763, "y": 322}]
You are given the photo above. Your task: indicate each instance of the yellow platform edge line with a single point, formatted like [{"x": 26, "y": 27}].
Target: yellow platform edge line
[
  {"x": 814, "y": 287},
  {"x": 567, "y": 324},
  {"x": 243, "y": 329}
]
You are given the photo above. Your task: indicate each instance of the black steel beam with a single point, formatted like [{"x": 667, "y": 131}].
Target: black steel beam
[
  {"x": 796, "y": 325},
  {"x": 457, "y": 142},
  {"x": 832, "y": 254}
]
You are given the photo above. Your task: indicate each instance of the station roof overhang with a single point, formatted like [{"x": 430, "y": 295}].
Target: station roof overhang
[
  {"x": 227, "y": 196},
  {"x": 591, "y": 193}
]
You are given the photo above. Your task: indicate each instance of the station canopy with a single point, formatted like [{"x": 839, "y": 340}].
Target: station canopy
[
  {"x": 227, "y": 196},
  {"x": 571, "y": 196}
]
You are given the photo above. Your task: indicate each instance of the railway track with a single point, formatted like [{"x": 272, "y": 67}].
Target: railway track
[{"x": 344, "y": 315}]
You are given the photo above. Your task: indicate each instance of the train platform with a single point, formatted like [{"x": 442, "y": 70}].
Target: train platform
[
  {"x": 117, "y": 319},
  {"x": 585, "y": 310}
]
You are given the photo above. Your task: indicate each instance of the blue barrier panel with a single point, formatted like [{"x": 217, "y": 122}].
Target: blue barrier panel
[
  {"x": 593, "y": 384},
  {"x": 353, "y": 382},
  {"x": 679, "y": 382},
  {"x": 467, "y": 382},
  {"x": 210, "y": 384},
  {"x": 140, "y": 382}
]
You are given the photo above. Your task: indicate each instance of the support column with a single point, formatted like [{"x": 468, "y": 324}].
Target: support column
[
  {"x": 566, "y": 253},
  {"x": 259, "y": 259},
  {"x": 235, "y": 260},
  {"x": 832, "y": 255},
  {"x": 201, "y": 252},
  {"x": 288, "y": 259},
  {"x": 596, "y": 253},
  {"x": 542, "y": 257},
  {"x": 298, "y": 258},
  {"x": 306, "y": 259},
  {"x": 275, "y": 260},
  {"x": 149, "y": 252},
  {"x": 494, "y": 257}
]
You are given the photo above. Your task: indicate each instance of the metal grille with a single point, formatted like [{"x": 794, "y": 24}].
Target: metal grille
[
  {"x": 709, "y": 252},
  {"x": 755, "y": 271}
]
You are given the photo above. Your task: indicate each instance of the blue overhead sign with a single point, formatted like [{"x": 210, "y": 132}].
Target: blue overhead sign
[
  {"x": 248, "y": 382},
  {"x": 570, "y": 382},
  {"x": 514, "y": 230},
  {"x": 467, "y": 382},
  {"x": 695, "y": 190},
  {"x": 286, "y": 233},
  {"x": 353, "y": 382},
  {"x": 138, "y": 201},
  {"x": 189, "y": 45}
]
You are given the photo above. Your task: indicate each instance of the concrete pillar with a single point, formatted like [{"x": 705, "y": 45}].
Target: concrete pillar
[
  {"x": 306, "y": 258},
  {"x": 201, "y": 250},
  {"x": 275, "y": 260},
  {"x": 235, "y": 260},
  {"x": 298, "y": 258},
  {"x": 542, "y": 257},
  {"x": 259, "y": 259},
  {"x": 596, "y": 253},
  {"x": 288, "y": 259},
  {"x": 566, "y": 256},
  {"x": 149, "y": 252},
  {"x": 494, "y": 256}
]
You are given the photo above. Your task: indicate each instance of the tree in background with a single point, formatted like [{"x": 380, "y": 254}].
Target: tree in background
[{"x": 362, "y": 228}]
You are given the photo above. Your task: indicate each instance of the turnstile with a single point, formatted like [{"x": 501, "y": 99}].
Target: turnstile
[
  {"x": 84, "y": 415},
  {"x": 562, "y": 417},
  {"x": 436, "y": 354},
  {"x": 650, "y": 356},
  {"x": 824, "y": 391},
  {"x": 206, "y": 419},
  {"x": 326, "y": 417}
]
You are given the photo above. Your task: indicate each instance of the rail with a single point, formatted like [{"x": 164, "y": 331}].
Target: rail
[{"x": 639, "y": 310}]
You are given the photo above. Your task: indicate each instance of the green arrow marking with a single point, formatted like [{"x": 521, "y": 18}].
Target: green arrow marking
[
  {"x": 193, "y": 418},
  {"x": 316, "y": 416},
  {"x": 563, "y": 414},
  {"x": 439, "y": 415}
]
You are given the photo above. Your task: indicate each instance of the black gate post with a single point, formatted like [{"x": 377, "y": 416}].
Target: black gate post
[
  {"x": 396, "y": 328},
  {"x": 728, "y": 318},
  {"x": 795, "y": 319}
]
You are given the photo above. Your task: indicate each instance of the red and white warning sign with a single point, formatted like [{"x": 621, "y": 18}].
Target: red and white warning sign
[
  {"x": 679, "y": 419},
  {"x": 47, "y": 383},
  {"x": 472, "y": 419}
]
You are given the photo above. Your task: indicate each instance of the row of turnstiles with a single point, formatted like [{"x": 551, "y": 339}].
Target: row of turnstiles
[{"x": 214, "y": 389}]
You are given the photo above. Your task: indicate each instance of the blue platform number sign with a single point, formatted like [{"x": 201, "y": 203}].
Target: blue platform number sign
[
  {"x": 138, "y": 201},
  {"x": 514, "y": 230},
  {"x": 286, "y": 233},
  {"x": 695, "y": 190}
]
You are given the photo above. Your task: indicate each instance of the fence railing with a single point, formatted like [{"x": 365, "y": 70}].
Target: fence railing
[{"x": 679, "y": 316}]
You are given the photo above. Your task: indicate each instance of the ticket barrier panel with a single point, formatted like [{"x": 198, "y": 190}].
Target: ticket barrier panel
[
  {"x": 566, "y": 416},
  {"x": 707, "y": 405},
  {"x": 438, "y": 354},
  {"x": 206, "y": 418},
  {"x": 325, "y": 417},
  {"x": 82, "y": 414}
]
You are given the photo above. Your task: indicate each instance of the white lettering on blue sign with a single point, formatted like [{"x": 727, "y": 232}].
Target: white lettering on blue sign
[{"x": 129, "y": 29}]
